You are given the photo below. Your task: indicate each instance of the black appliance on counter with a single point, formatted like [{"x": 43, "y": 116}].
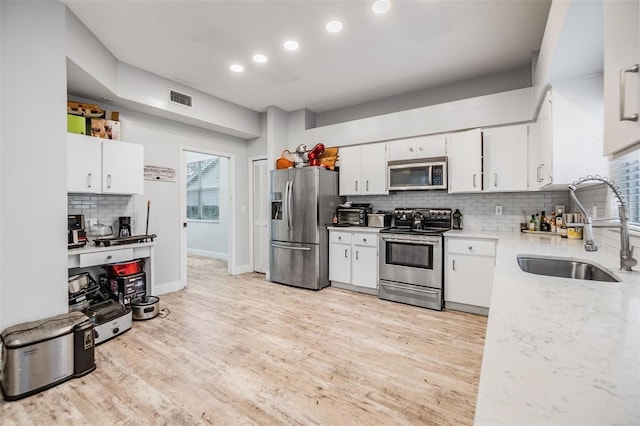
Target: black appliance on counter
[
  {"x": 76, "y": 234},
  {"x": 124, "y": 228},
  {"x": 411, "y": 261},
  {"x": 353, "y": 214}
]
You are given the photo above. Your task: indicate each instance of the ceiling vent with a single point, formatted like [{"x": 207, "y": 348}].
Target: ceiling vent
[{"x": 180, "y": 98}]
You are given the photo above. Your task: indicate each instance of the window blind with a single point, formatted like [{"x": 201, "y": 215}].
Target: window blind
[
  {"x": 625, "y": 172},
  {"x": 203, "y": 189}
]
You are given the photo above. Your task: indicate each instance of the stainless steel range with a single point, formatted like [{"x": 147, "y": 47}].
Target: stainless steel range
[{"x": 412, "y": 255}]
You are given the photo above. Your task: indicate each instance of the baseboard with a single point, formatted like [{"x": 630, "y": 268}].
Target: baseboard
[
  {"x": 478, "y": 310},
  {"x": 208, "y": 253},
  {"x": 241, "y": 269},
  {"x": 167, "y": 287}
]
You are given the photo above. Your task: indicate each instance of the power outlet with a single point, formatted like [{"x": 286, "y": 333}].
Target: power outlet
[{"x": 498, "y": 210}]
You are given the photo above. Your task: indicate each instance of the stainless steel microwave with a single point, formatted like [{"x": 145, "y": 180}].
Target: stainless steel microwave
[{"x": 423, "y": 173}]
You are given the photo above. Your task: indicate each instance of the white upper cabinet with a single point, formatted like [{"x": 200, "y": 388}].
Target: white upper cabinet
[
  {"x": 421, "y": 147},
  {"x": 465, "y": 161},
  {"x": 122, "y": 168},
  {"x": 621, "y": 74},
  {"x": 363, "y": 169},
  {"x": 567, "y": 139},
  {"x": 505, "y": 158},
  {"x": 104, "y": 166},
  {"x": 84, "y": 164}
]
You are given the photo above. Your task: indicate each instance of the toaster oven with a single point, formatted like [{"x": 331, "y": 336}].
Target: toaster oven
[{"x": 355, "y": 215}]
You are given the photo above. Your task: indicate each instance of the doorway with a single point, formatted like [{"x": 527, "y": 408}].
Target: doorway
[{"x": 206, "y": 210}]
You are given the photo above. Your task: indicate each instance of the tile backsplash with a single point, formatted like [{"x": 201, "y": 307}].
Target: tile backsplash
[
  {"x": 104, "y": 207},
  {"x": 478, "y": 209}
]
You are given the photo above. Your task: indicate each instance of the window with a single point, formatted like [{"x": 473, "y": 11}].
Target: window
[
  {"x": 203, "y": 189},
  {"x": 625, "y": 172}
]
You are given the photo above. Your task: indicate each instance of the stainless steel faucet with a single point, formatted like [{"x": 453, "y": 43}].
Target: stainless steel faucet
[{"x": 626, "y": 251}]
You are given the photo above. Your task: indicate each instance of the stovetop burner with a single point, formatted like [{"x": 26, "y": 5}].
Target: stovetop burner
[{"x": 420, "y": 221}]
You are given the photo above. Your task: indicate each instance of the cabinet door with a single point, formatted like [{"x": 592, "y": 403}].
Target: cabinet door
[
  {"x": 543, "y": 145},
  {"x": 83, "y": 164},
  {"x": 350, "y": 170},
  {"x": 340, "y": 262},
  {"x": 621, "y": 52},
  {"x": 374, "y": 169},
  {"x": 465, "y": 161},
  {"x": 505, "y": 158},
  {"x": 365, "y": 266},
  {"x": 404, "y": 149},
  {"x": 469, "y": 279},
  {"x": 122, "y": 168},
  {"x": 431, "y": 146}
]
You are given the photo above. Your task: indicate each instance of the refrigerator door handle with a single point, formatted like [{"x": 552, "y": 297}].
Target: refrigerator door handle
[
  {"x": 284, "y": 203},
  {"x": 290, "y": 248},
  {"x": 290, "y": 206}
]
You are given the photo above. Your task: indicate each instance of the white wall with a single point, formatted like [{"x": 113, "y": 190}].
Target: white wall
[
  {"x": 33, "y": 263},
  {"x": 513, "y": 79},
  {"x": 163, "y": 141},
  {"x": 207, "y": 238}
]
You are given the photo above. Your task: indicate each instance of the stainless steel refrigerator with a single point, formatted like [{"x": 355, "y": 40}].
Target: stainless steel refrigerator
[{"x": 303, "y": 202}]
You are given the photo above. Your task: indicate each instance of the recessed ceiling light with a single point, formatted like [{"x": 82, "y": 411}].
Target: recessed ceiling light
[
  {"x": 381, "y": 6},
  {"x": 236, "y": 68},
  {"x": 260, "y": 58},
  {"x": 334, "y": 26},
  {"x": 291, "y": 45}
]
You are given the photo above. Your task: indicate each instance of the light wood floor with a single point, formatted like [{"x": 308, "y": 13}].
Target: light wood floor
[{"x": 241, "y": 350}]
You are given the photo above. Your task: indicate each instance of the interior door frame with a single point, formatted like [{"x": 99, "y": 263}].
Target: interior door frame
[
  {"x": 231, "y": 246},
  {"x": 250, "y": 162}
]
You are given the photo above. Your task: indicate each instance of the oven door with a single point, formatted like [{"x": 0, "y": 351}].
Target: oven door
[{"x": 411, "y": 259}]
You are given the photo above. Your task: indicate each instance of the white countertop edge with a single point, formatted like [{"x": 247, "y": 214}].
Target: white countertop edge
[{"x": 95, "y": 249}]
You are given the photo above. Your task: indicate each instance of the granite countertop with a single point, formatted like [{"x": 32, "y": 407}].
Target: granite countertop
[{"x": 559, "y": 350}]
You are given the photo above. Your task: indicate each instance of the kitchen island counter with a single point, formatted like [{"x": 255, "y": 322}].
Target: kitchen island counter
[{"x": 559, "y": 350}]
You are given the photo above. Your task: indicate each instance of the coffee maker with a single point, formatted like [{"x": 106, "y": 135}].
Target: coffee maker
[
  {"x": 124, "y": 229},
  {"x": 76, "y": 235}
]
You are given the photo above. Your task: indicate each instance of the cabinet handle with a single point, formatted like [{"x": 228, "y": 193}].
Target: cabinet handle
[
  {"x": 474, "y": 180},
  {"x": 108, "y": 181},
  {"x": 89, "y": 178},
  {"x": 454, "y": 265},
  {"x": 623, "y": 83},
  {"x": 364, "y": 240},
  {"x": 367, "y": 186},
  {"x": 495, "y": 180},
  {"x": 470, "y": 247},
  {"x": 345, "y": 253},
  {"x": 357, "y": 258},
  {"x": 420, "y": 148},
  {"x": 356, "y": 186},
  {"x": 538, "y": 178},
  {"x": 340, "y": 238},
  {"x": 410, "y": 149},
  {"x": 109, "y": 257}
]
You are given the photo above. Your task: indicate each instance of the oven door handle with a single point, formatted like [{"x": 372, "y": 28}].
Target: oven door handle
[
  {"x": 406, "y": 287},
  {"x": 417, "y": 242}
]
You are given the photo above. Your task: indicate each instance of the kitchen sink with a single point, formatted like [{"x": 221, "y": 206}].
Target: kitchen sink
[{"x": 564, "y": 268}]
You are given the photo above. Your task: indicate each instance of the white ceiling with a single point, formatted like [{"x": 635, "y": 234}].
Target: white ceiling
[{"x": 416, "y": 45}]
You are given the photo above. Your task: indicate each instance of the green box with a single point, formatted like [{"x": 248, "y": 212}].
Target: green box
[{"x": 77, "y": 124}]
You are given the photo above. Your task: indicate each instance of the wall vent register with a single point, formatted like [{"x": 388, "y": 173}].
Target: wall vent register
[{"x": 180, "y": 98}]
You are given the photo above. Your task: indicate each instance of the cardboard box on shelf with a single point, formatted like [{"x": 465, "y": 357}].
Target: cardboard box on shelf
[
  {"x": 106, "y": 129},
  {"x": 86, "y": 110},
  {"x": 77, "y": 124}
]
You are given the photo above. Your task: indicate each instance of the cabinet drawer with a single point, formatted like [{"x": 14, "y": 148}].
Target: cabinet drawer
[
  {"x": 477, "y": 247},
  {"x": 103, "y": 257},
  {"x": 369, "y": 240},
  {"x": 341, "y": 237}
]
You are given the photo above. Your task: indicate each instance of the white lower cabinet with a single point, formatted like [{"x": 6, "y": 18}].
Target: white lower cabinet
[
  {"x": 353, "y": 260},
  {"x": 469, "y": 268}
]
